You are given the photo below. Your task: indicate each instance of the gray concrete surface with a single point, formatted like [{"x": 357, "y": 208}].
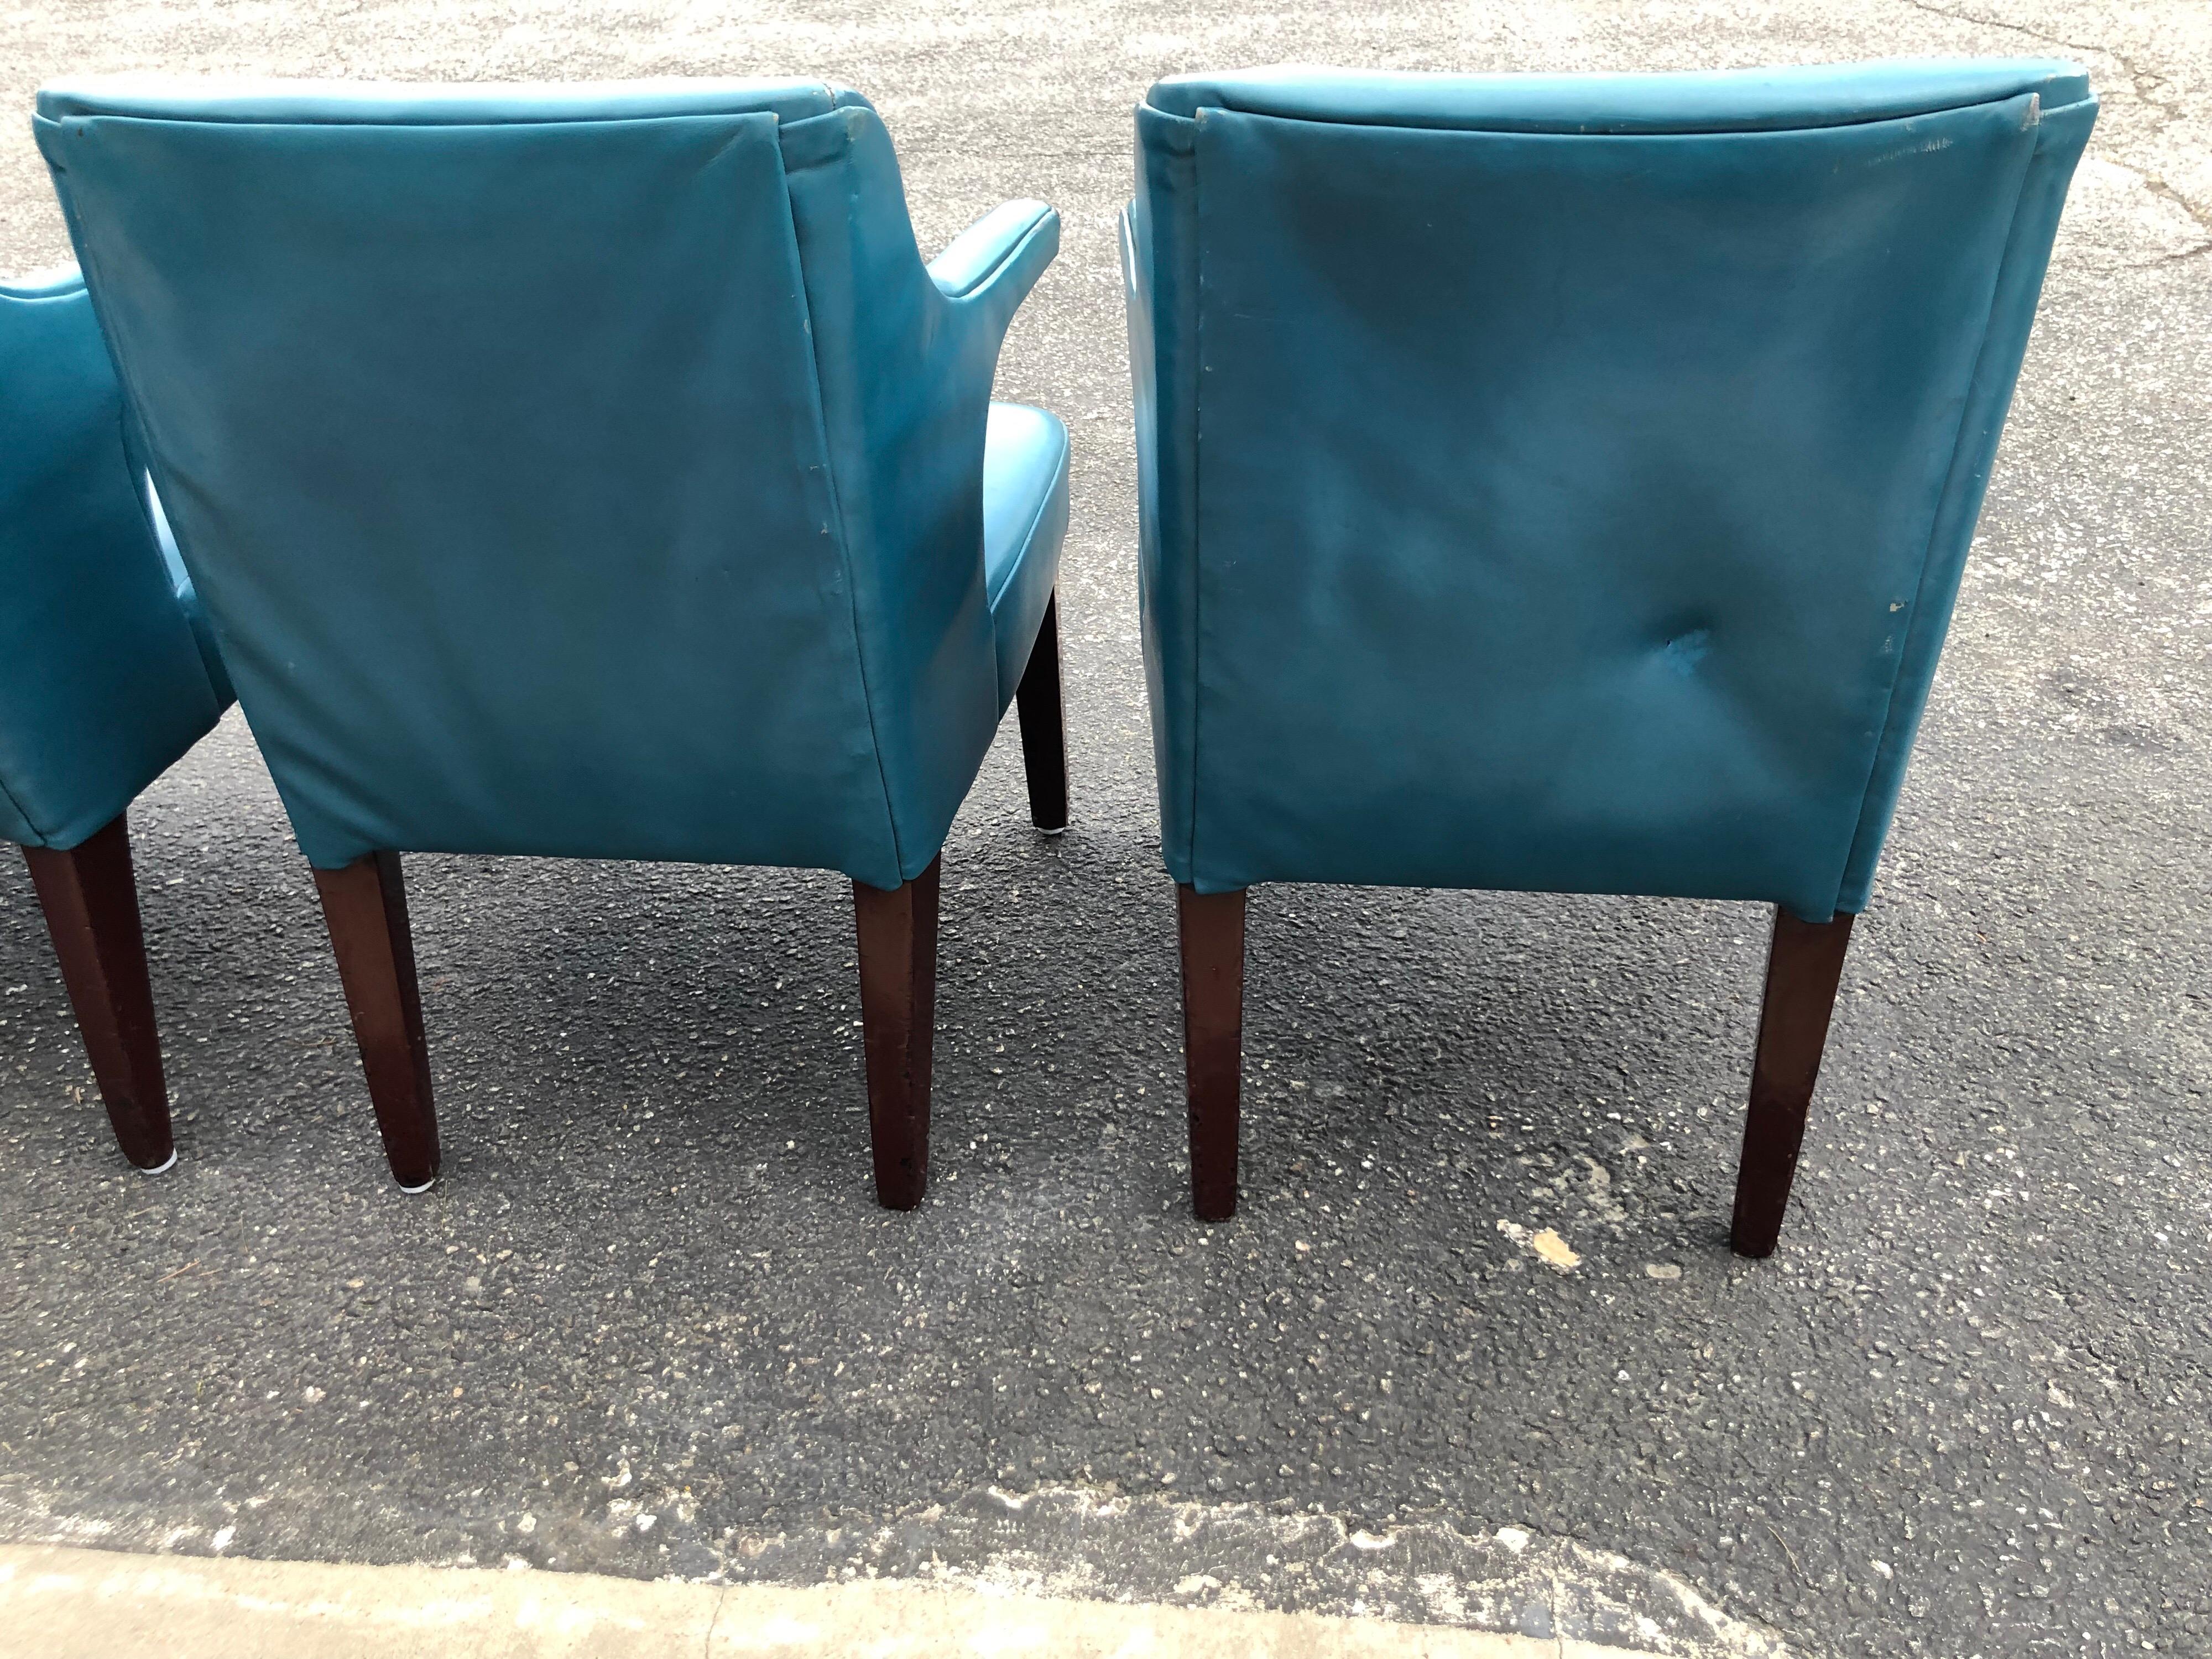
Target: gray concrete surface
[{"x": 652, "y": 1324}]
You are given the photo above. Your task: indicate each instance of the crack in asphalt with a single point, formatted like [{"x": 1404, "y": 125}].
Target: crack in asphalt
[{"x": 2140, "y": 83}]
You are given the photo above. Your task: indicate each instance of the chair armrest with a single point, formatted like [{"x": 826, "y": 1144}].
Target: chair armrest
[
  {"x": 101, "y": 683},
  {"x": 991, "y": 266}
]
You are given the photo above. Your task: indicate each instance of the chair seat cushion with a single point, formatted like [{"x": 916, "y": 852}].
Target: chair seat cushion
[
  {"x": 188, "y": 599},
  {"x": 1024, "y": 519}
]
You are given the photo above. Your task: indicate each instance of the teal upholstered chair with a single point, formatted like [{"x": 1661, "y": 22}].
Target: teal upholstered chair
[
  {"x": 585, "y": 472},
  {"x": 1562, "y": 483},
  {"x": 105, "y": 678}
]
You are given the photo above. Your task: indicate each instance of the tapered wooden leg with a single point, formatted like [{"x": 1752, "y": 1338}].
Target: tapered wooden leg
[
  {"x": 1044, "y": 732},
  {"x": 365, "y": 905},
  {"x": 898, "y": 1013},
  {"x": 1211, "y": 926},
  {"x": 1803, "y": 968},
  {"x": 91, "y": 903}
]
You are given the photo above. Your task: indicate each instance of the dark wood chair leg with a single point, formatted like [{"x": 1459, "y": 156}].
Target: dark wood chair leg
[
  {"x": 91, "y": 903},
  {"x": 365, "y": 905},
  {"x": 898, "y": 1013},
  {"x": 1044, "y": 731},
  {"x": 1211, "y": 926},
  {"x": 1803, "y": 968}
]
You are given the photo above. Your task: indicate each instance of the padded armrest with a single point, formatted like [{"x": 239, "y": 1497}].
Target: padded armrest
[
  {"x": 975, "y": 255},
  {"x": 992, "y": 265},
  {"x": 101, "y": 684}
]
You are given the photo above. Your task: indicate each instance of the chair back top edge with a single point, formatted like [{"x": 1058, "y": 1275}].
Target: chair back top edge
[
  {"x": 1689, "y": 101},
  {"x": 373, "y": 103}
]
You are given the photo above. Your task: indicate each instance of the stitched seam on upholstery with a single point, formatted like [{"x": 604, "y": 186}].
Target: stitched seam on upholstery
[
  {"x": 1914, "y": 626},
  {"x": 1567, "y": 132},
  {"x": 1197, "y": 562},
  {"x": 837, "y": 508},
  {"x": 279, "y": 122},
  {"x": 24, "y": 812}
]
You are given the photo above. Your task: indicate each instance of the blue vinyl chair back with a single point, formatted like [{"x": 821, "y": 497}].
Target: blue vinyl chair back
[
  {"x": 1562, "y": 483},
  {"x": 587, "y": 471},
  {"x": 103, "y": 683}
]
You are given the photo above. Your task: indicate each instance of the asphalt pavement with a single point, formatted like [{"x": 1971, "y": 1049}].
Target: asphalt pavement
[{"x": 652, "y": 1323}]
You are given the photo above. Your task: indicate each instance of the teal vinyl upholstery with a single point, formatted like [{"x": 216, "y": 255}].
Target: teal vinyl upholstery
[
  {"x": 103, "y": 684},
  {"x": 1025, "y": 507},
  {"x": 589, "y": 470},
  {"x": 1562, "y": 483}
]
